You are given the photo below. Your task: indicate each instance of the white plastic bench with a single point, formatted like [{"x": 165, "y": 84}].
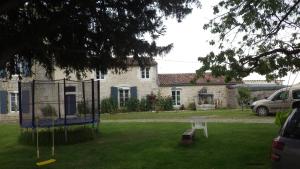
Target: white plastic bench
[{"x": 200, "y": 123}]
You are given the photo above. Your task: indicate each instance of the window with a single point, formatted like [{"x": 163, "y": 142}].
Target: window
[
  {"x": 14, "y": 102},
  {"x": 123, "y": 97},
  {"x": 176, "y": 97},
  {"x": 292, "y": 129},
  {"x": 22, "y": 69},
  {"x": 296, "y": 94},
  {"x": 100, "y": 75},
  {"x": 145, "y": 73},
  {"x": 281, "y": 96}
]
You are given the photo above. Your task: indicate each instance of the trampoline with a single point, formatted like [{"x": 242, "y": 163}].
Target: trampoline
[{"x": 56, "y": 103}]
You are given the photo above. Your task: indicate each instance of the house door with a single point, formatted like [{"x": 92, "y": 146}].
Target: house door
[{"x": 70, "y": 104}]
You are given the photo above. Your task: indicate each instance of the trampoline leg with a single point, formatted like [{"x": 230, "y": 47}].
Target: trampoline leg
[
  {"x": 66, "y": 135},
  {"x": 33, "y": 134},
  {"x": 98, "y": 124}
]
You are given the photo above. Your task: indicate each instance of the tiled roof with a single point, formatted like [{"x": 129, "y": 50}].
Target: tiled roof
[{"x": 186, "y": 78}]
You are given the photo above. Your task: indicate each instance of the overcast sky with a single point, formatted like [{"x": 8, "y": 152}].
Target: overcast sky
[{"x": 191, "y": 41}]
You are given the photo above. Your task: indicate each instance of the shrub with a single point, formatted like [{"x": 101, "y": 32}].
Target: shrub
[
  {"x": 48, "y": 111},
  {"x": 108, "y": 105},
  {"x": 182, "y": 107},
  {"x": 151, "y": 101},
  {"x": 244, "y": 96},
  {"x": 281, "y": 117},
  {"x": 192, "y": 106},
  {"x": 132, "y": 104},
  {"x": 164, "y": 104},
  {"x": 83, "y": 108},
  {"x": 145, "y": 105}
]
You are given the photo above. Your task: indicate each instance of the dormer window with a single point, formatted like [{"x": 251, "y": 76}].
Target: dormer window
[
  {"x": 100, "y": 75},
  {"x": 145, "y": 73}
]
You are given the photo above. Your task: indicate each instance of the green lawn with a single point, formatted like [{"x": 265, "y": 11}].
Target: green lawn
[
  {"x": 150, "y": 146},
  {"x": 218, "y": 113}
]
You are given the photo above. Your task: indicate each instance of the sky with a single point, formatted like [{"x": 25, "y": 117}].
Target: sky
[{"x": 190, "y": 41}]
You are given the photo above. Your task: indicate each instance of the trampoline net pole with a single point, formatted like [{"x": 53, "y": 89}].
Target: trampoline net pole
[
  {"x": 65, "y": 113},
  {"x": 20, "y": 103},
  {"x": 98, "y": 101},
  {"x": 58, "y": 97},
  {"x": 32, "y": 100},
  {"x": 93, "y": 102},
  {"x": 84, "y": 103}
]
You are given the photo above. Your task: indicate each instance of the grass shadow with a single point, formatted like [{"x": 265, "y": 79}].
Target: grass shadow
[{"x": 75, "y": 135}]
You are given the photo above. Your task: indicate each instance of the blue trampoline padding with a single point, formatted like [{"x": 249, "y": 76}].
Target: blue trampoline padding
[{"x": 47, "y": 122}]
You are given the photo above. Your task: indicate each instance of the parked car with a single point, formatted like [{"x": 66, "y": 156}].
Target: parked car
[
  {"x": 279, "y": 101},
  {"x": 285, "y": 152}
]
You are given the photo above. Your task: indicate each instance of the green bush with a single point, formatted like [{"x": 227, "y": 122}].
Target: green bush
[
  {"x": 192, "y": 106},
  {"x": 48, "y": 111},
  {"x": 164, "y": 104},
  {"x": 132, "y": 104},
  {"x": 83, "y": 108},
  {"x": 108, "y": 105},
  {"x": 145, "y": 105},
  {"x": 244, "y": 96},
  {"x": 281, "y": 117},
  {"x": 182, "y": 107},
  {"x": 151, "y": 101}
]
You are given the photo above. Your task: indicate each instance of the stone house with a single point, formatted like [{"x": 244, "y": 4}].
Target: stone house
[
  {"x": 136, "y": 82},
  {"x": 207, "y": 92}
]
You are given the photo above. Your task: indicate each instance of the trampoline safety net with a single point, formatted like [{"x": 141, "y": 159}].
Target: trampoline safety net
[{"x": 59, "y": 103}]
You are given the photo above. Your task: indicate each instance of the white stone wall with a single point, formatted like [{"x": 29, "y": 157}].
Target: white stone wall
[
  {"x": 130, "y": 78},
  {"x": 189, "y": 93}
]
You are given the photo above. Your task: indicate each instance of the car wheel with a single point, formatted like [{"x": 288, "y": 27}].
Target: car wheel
[{"x": 262, "y": 111}]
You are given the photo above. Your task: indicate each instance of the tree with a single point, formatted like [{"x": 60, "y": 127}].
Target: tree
[
  {"x": 244, "y": 96},
  {"x": 254, "y": 36},
  {"x": 84, "y": 35}
]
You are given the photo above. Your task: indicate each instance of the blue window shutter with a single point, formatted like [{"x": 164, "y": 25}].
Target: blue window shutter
[
  {"x": 25, "y": 101},
  {"x": 133, "y": 92},
  {"x": 114, "y": 94},
  {"x": 3, "y": 102},
  {"x": 2, "y": 73}
]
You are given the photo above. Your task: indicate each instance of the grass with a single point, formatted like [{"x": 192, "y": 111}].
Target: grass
[
  {"x": 150, "y": 146},
  {"x": 218, "y": 113}
]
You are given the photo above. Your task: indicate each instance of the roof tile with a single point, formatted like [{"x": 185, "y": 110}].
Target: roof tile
[{"x": 186, "y": 79}]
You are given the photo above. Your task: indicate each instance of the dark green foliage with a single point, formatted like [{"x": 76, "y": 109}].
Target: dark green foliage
[
  {"x": 281, "y": 117},
  {"x": 151, "y": 100},
  {"x": 48, "y": 111},
  {"x": 192, "y": 106},
  {"x": 83, "y": 35},
  {"x": 83, "y": 108},
  {"x": 145, "y": 105},
  {"x": 163, "y": 104},
  {"x": 132, "y": 105},
  {"x": 244, "y": 96},
  {"x": 108, "y": 105},
  {"x": 254, "y": 36},
  {"x": 254, "y": 99}
]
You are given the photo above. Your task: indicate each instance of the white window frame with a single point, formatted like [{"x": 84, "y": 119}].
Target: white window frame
[
  {"x": 124, "y": 98},
  {"x": 145, "y": 73},
  {"x": 16, "y": 93},
  {"x": 176, "y": 103},
  {"x": 99, "y": 75}
]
